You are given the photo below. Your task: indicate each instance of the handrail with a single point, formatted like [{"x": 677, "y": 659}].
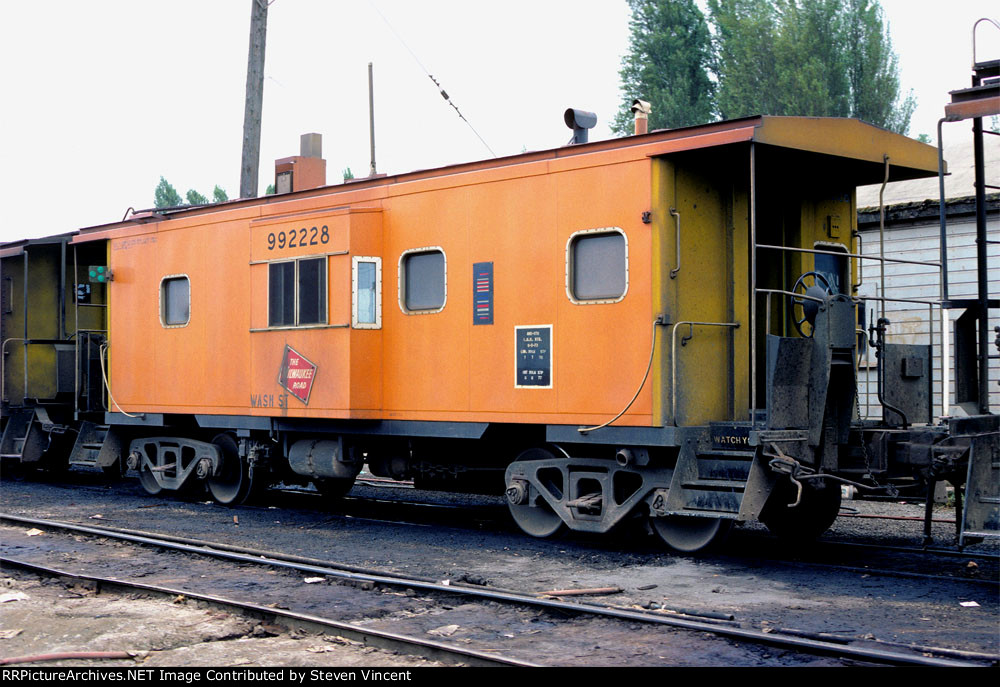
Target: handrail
[
  {"x": 673, "y": 355},
  {"x": 881, "y": 225},
  {"x": 839, "y": 253},
  {"x": 974, "y": 27},
  {"x": 673, "y": 272},
  {"x": 792, "y": 294}
]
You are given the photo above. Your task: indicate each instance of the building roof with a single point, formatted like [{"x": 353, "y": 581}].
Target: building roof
[{"x": 960, "y": 181}]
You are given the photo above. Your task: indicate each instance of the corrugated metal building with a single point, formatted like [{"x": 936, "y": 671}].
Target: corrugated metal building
[{"x": 912, "y": 232}]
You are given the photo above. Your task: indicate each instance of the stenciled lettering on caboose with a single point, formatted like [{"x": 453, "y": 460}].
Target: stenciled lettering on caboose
[{"x": 126, "y": 244}]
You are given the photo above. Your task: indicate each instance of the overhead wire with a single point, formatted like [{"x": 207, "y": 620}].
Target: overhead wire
[{"x": 437, "y": 84}]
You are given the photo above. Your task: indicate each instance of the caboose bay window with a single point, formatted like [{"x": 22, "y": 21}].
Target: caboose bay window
[{"x": 297, "y": 293}]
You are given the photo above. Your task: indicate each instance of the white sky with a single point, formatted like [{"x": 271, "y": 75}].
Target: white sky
[{"x": 99, "y": 99}]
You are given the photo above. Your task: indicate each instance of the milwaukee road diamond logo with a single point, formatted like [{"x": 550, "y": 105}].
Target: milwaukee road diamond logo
[{"x": 297, "y": 374}]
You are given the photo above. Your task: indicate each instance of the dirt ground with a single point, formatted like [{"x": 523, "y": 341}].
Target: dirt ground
[
  {"x": 472, "y": 543},
  {"x": 47, "y": 617}
]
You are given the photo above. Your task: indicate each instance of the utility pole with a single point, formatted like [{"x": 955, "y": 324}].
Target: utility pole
[
  {"x": 371, "y": 118},
  {"x": 254, "y": 100}
]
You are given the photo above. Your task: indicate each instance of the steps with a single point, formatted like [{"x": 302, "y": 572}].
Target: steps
[
  {"x": 28, "y": 434},
  {"x": 16, "y": 433},
  {"x": 711, "y": 482},
  {"x": 88, "y": 444}
]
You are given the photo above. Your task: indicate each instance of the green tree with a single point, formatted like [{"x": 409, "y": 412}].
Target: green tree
[
  {"x": 746, "y": 63},
  {"x": 811, "y": 79},
  {"x": 348, "y": 174},
  {"x": 195, "y": 198},
  {"x": 670, "y": 53},
  {"x": 165, "y": 195},
  {"x": 873, "y": 69},
  {"x": 807, "y": 57}
]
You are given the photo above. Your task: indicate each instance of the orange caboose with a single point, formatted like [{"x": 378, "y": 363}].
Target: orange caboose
[{"x": 580, "y": 327}]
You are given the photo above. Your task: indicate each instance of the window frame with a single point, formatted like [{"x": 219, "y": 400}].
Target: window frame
[
  {"x": 161, "y": 301},
  {"x": 295, "y": 293},
  {"x": 355, "y": 322},
  {"x": 401, "y": 280},
  {"x": 570, "y": 272},
  {"x": 835, "y": 247}
]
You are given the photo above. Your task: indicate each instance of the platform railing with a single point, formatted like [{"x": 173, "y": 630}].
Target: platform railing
[
  {"x": 881, "y": 299},
  {"x": 673, "y": 355}
]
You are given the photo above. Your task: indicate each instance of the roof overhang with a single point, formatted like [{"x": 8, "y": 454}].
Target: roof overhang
[{"x": 852, "y": 140}]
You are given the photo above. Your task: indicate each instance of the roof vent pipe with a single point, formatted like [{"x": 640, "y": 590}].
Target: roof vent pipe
[
  {"x": 641, "y": 110},
  {"x": 579, "y": 121}
]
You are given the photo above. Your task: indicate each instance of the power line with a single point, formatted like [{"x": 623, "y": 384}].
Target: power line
[{"x": 440, "y": 88}]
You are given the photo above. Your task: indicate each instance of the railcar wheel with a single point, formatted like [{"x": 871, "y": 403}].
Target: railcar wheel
[
  {"x": 813, "y": 516},
  {"x": 149, "y": 482},
  {"x": 537, "y": 521},
  {"x": 233, "y": 485},
  {"x": 535, "y": 516},
  {"x": 688, "y": 534}
]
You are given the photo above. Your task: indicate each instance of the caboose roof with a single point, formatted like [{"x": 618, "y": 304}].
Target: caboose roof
[{"x": 857, "y": 148}]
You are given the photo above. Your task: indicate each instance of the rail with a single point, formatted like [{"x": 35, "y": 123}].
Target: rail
[{"x": 682, "y": 619}]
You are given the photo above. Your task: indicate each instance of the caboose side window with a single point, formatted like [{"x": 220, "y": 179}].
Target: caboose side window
[
  {"x": 281, "y": 294},
  {"x": 312, "y": 291},
  {"x": 175, "y": 301},
  {"x": 296, "y": 293},
  {"x": 597, "y": 266},
  {"x": 422, "y": 281},
  {"x": 366, "y": 293}
]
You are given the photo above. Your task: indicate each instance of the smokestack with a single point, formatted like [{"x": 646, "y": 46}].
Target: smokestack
[
  {"x": 303, "y": 171},
  {"x": 641, "y": 110},
  {"x": 579, "y": 121},
  {"x": 311, "y": 145}
]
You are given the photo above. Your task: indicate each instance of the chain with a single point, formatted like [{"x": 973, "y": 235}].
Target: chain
[{"x": 890, "y": 489}]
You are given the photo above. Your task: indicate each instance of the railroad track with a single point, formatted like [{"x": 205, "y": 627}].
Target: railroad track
[
  {"x": 419, "y": 513},
  {"x": 788, "y": 639},
  {"x": 417, "y": 646},
  {"x": 351, "y": 505}
]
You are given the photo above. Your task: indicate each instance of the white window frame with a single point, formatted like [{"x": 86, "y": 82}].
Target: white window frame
[
  {"x": 401, "y": 280},
  {"x": 161, "y": 304},
  {"x": 569, "y": 266},
  {"x": 355, "y": 323}
]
